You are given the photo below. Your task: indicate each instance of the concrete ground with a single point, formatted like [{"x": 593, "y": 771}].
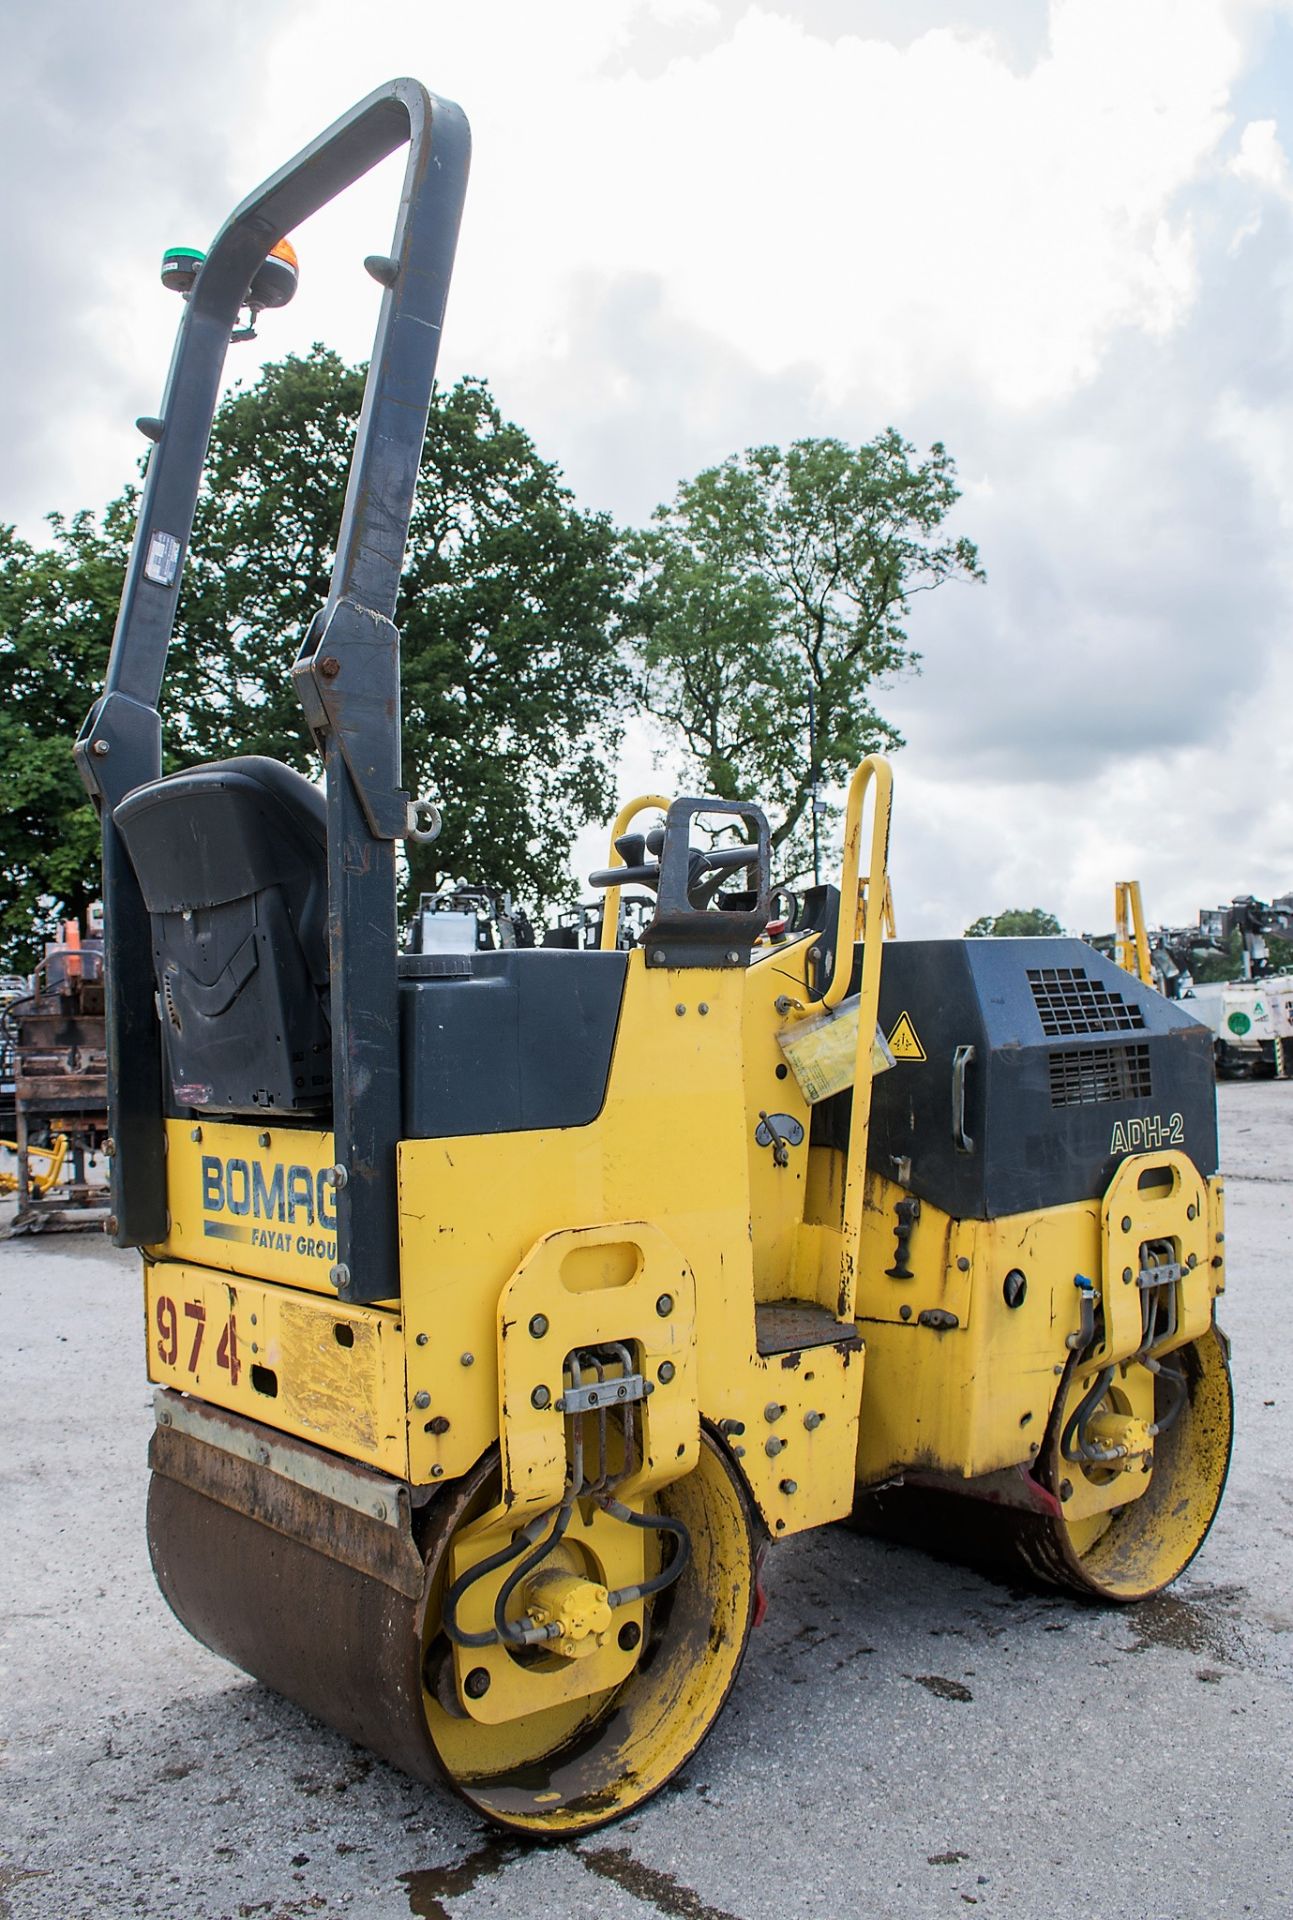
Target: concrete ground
[{"x": 906, "y": 1739}]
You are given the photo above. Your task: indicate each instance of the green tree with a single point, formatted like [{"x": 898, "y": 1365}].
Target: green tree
[
  {"x": 1015, "y": 923},
  {"x": 512, "y": 693},
  {"x": 57, "y": 609},
  {"x": 512, "y": 690},
  {"x": 770, "y": 600}
]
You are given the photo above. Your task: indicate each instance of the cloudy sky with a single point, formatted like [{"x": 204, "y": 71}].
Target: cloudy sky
[{"x": 1057, "y": 237}]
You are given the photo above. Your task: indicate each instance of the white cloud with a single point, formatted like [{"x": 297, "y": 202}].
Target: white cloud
[{"x": 694, "y": 224}]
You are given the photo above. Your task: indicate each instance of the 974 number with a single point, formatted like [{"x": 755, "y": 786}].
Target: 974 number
[{"x": 169, "y": 1341}]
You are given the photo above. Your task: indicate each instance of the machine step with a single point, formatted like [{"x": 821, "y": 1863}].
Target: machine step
[{"x": 787, "y": 1326}]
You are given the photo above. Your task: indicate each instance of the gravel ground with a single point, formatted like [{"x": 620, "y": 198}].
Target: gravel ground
[{"x": 1111, "y": 1765}]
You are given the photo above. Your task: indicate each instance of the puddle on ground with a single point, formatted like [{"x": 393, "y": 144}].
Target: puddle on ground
[
  {"x": 1204, "y": 1623},
  {"x": 429, "y": 1887},
  {"x": 946, "y": 1689},
  {"x": 650, "y": 1885}
]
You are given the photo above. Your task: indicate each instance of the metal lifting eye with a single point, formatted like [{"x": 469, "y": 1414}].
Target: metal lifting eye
[{"x": 424, "y": 821}]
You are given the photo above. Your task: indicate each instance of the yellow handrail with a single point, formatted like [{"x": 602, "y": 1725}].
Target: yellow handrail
[
  {"x": 611, "y": 903},
  {"x": 862, "y": 902}
]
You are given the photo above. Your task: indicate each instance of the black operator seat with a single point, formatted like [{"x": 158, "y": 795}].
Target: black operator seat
[{"x": 231, "y": 860}]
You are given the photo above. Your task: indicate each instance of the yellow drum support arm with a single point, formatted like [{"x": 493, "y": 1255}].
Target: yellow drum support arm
[{"x": 624, "y": 819}]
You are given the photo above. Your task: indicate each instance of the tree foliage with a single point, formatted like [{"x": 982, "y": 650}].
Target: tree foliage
[
  {"x": 511, "y": 693},
  {"x": 512, "y": 690},
  {"x": 57, "y": 609},
  {"x": 781, "y": 582},
  {"x": 1014, "y": 924}
]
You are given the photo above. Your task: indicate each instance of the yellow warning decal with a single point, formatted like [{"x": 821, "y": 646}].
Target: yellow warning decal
[{"x": 903, "y": 1044}]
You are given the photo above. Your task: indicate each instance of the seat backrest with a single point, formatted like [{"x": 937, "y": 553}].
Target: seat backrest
[{"x": 232, "y": 863}]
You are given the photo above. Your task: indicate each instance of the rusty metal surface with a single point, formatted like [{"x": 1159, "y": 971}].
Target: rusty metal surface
[
  {"x": 317, "y": 1601},
  {"x": 782, "y": 1326},
  {"x": 322, "y": 1525},
  {"x": 60, "y": 1086}
]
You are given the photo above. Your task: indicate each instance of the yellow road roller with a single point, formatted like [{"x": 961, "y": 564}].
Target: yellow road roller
[{"x": 504, "y": 1306}]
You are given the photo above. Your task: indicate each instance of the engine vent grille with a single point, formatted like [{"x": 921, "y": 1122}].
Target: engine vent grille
[
  {"x": 1087, "y": 1075},
  {"x": 1070, "y": 1002}
]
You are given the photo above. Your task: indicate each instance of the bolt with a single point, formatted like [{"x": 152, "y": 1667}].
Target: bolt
[
  {"x": 339, "y": 1275},
  {"x": 731, "y": 1426},
  {"x": 437, "y": 1471},
  {"x": 1126, "y": 1223},
  {"x": 110, "y": 1224},
  {"x": 379, "y": 1508},
  {"x": 109, "y": 1146},
  {"x": 703, "y": 1008},
  {"x": 439, "y": 1424},
  {"x": 1191, "y": 1212},
  {"x": 629, "y": 1635},
  {"x": 1192, "y": 1260},
  {"x": 739, "y": 1452},
  {"x": 422, "y": 1399},
  {"x": 253, "y": 1319},
  {"x": 1128, "y": 1276},
  {"x": 664, "y": 1305},
  {"x": 100, "y": 749},
  {"x": 1014, "y": 1288},
  {"x": 1220, "y": 1238},
  {"x": 329, "y": 666},
  {"x": 665, "y": 1372},
  {"x": 422, "y": 1339},
  {"x": 262, "y": 1454},
  {"x": 962, "y": 1264},
  {"x": 680, "y": 1009},
  {"x": 656, "y": 957},
  {"x": 467, "y": 1360},
  {"x": 790, "y": 1486},
  {"x": 539, "y": 1326},
  {"x": 732, "y": 957},
  {"x": 262, "y": 1139},
  {"x": 1066, "y": 1489},
  {"x": 540, "y": 1398},
  {"x": 335, "y": 1177},
  {"x": 904, "y": 1312},
  {"x": 195, "y": 1133},
  {"x": 773, "y": 1445},
  {"x": 163, "y": 1418},
  {"x": 813, "y": 1420},
  {"x": 476, "y": 1685},
  {"x": 773, "y": 1411}
]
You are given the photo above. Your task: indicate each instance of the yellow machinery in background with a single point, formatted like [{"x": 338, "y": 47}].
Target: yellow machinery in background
[
  {"x": 504, "y": 1307},
  {"x": 1130, "y": 940}
]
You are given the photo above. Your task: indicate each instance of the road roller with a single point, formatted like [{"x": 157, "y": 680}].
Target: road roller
[{"x": 504, "y": 1307}]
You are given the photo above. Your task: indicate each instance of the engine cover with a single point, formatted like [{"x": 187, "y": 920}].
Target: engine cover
[{"x": 1075, "y": 1064}]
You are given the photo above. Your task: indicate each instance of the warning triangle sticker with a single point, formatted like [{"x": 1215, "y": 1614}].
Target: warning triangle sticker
[{"x": 903, "y": 1044}]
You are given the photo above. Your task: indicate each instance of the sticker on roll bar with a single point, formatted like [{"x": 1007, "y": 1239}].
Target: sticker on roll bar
[{"x": 163, "y": 560}]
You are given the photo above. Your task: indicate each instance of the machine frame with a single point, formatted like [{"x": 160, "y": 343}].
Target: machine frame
[{"x": 347, "y": 673}]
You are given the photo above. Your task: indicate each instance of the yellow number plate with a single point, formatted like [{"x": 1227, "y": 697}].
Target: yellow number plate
[{"x": 325, "y": 1372}]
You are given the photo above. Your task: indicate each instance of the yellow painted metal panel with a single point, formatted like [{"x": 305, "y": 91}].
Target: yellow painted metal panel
[
  {"x": 327, "y": 1373},
  {"x": 252, "y": 1200},
  {"x": 976, "y": 1397},
  {"x": 674, "y": 1142}
]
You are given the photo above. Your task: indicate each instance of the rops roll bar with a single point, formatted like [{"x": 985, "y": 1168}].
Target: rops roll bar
[{"x": 352, "y": 707}]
